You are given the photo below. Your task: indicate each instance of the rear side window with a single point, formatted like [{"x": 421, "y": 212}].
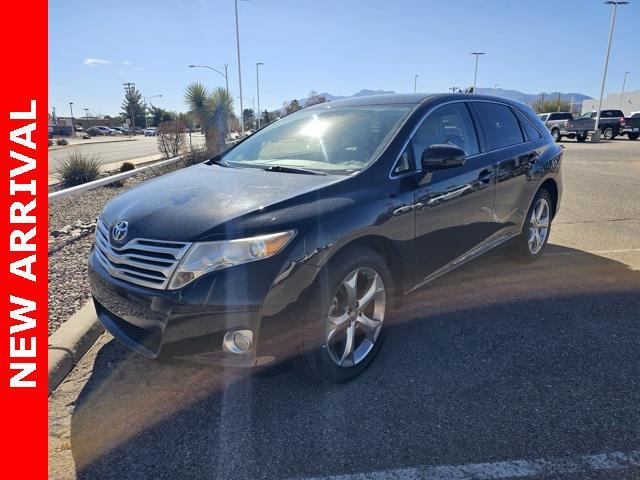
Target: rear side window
[
  {"x": 499, "y": 124},
  {"x": 543, "y": 117},
  {"x": 530, "y": 132},
  {"x": 560, "y": 116}
]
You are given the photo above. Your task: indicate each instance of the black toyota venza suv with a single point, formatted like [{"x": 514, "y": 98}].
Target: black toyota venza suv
[{"x": 297, "y": 241}]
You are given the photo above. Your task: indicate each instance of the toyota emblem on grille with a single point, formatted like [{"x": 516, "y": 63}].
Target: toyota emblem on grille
[{"x": 119, "y": 230}]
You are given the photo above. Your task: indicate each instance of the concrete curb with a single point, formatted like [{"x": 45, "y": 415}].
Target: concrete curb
[
  {"x": 73, "y": 144},
  {"x": 70, "y": 342}
]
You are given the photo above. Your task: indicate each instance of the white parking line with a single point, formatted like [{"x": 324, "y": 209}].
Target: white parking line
[{"x": 510, "y": 469}]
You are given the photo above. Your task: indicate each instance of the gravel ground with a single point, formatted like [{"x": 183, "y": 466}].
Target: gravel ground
[{"x": 68, "y": 283}]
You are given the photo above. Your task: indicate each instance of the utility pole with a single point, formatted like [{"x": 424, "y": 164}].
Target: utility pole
[
  {"x": 624, "y": 82},
  {"x": 571, "y": 107},
  {"x": 475, "y": 73},
  {"x": 53, "y": 114},
  {"x": 128, "y": 88},
  {"x": 258, "y": 88},
  {"x": 415, "y": 83},
  {"x": 495, "y": 86},
  {"x": 71, "y": 108},
  {"x": 542, "y": 103},
  {"x": 86, "y": 113},
  {"x": 558, "y": 101},
  {"x": 596, "y": 133}
]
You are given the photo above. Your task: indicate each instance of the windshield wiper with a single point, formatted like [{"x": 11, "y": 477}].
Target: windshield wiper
[
  {"x": 219, "y": 161},
  {"x": 283, "y": 169}
]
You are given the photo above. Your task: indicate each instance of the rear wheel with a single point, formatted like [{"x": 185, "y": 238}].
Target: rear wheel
[
  {"x": 608, "y": 134},
  {"x": 530, "y": 244},
  {"x": 555, "y": 133},
  {"x": 581, "y": 138},
  {"x": 343, "y": 327}
]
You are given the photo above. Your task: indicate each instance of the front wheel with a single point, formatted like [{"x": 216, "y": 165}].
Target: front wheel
[
  {"x": 633, "y": 136},
  {"x": 344, "y": 325},
  {"x": 581, "y": 138},
  {"x": 555, "y": 133},
  {"x": 529, "y": 245}
]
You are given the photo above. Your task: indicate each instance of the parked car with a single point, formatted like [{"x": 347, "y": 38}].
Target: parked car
[
  {"x": 632, "y": 126},
  {"x": 296, "y": 241},
  {"x": 100, "y": 130},
  {"x": 150, "y": 132},
  {"x": 78, "y": 128},
  {"x": 118, "y": 130},
  {"x": 610, "y": 125},
  {"x": 556, "y": 122}
]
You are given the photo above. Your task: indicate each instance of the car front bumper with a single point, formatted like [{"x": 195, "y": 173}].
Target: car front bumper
[{"x": 264, "y": 297}]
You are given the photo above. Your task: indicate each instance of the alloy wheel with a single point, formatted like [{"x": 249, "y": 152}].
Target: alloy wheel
[
  {"x": 356, "y": 315},
  {"x": 538, "y": 226}
]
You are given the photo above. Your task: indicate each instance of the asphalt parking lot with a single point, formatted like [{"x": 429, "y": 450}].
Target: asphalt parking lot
[{"x": 498, "y": 370}]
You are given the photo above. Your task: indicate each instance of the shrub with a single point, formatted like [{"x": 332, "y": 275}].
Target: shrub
[
  {"x": 78, "y": 168},
  {"x": 171, "y": 138},
  {"x": 61, "y": 141},
  {"x": 125, "y": 167},
  {"x": 50, "y": 142}
]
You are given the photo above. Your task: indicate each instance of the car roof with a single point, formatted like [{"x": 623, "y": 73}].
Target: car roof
[
  {"x": 384, "y": 99},
  {"x": 414, "y": 99}
]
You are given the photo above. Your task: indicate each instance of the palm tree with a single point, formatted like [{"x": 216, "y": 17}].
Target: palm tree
[{"x": 213, "y": 111}]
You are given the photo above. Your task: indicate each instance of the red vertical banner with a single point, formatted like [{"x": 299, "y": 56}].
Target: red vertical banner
[{"x": 23, "y": 230}]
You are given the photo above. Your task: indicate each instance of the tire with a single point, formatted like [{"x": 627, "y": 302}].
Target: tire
[
  {"x": 525, "y": 247},
  {"x": 581, "y": 138},
  {"x": 608, "y": 133},
  {"x": 555, "y": 134},
  {"x": 633, "y": 136},
  {"x": 323, "y": 343}
]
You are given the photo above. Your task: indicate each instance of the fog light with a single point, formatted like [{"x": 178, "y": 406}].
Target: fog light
[{"x": 238, "y": 341}]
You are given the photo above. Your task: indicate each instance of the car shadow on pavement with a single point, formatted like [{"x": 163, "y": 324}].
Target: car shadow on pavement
[{"x": 496, "y": 361}]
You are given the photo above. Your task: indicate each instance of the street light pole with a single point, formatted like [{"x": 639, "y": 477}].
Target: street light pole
[
  {"x": 258, "y": 89},
  {"x": 495, "y": 86},
  {"x": 239, "y": 70},
  {"x": 475, "y": 72},
  {"x": 596, "y": 134},
  {"x": 415, "y": 83},
  {"x": 225, "y": 74},
  {"x": 144, "y": 99},
  {"x": 71, "y": 108},
  {"x": 624, "y": 82}
]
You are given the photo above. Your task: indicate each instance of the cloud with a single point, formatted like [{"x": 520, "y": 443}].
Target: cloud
[
  {"x": 137, "y": 69},
  {"x": 127, "y": 62},
  {"x": 94, "y": 62}
]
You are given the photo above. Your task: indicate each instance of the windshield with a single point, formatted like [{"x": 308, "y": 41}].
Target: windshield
[{"x": 335, "y": 140}]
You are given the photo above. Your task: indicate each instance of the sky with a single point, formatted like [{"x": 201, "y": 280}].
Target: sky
[{"x": 335, "y": 46}]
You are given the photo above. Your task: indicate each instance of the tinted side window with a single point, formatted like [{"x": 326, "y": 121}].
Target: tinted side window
[
  {"x": 500, "y": 126},
  {"x": 450, "y": 124},
  {"x": 543, "y": 117},
  {"x": 530, "y": 131}
]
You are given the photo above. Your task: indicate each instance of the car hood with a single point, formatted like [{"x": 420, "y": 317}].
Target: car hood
[{"x": 199, "y": 202}]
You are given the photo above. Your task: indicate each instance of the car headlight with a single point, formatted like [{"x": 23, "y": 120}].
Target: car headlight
[{"x": 205, "y": 257}]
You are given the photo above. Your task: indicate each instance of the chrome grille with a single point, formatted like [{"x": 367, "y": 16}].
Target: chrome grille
[{"x": 145, "y": 262}]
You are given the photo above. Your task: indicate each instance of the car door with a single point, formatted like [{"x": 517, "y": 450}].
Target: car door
[
  {"x": 453, "y": 206},
  {"x": 515, "y": 145}
]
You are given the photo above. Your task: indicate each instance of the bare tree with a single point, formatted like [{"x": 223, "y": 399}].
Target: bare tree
[{"x": 171, "y": 138}]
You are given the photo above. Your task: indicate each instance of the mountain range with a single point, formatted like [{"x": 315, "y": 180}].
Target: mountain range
[{"x": 528, "y": 98}]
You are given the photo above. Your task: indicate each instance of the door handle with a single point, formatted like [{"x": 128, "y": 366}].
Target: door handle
[
  {"x": 533, "y": 158},
  {"x": 485, "y": 176},
  {"x": 401, "y": 210}
]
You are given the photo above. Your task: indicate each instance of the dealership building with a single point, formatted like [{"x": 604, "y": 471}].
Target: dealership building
[{"x": 630, "y": 103}]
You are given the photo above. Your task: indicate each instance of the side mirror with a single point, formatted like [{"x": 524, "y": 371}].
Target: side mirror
[{"x": 443, "y": 156}]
